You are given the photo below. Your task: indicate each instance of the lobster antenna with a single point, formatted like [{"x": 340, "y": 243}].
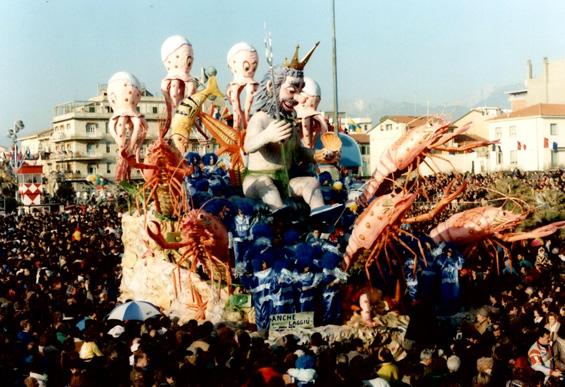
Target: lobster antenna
[{"x": 519, "y": 202}]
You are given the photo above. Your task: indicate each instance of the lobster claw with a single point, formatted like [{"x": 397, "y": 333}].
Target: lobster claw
[
  {"x": 161, "y": 241},
  {"x": 128, "y": 157}
]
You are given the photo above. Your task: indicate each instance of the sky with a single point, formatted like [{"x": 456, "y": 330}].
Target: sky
[{"x": 436, "y": 51}]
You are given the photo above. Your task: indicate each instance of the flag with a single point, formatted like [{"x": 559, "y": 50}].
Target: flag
[
  {"x": 524, "y": 146},
  {"x": 546, "y": 142},
  {"x": 519, "y": 145}
]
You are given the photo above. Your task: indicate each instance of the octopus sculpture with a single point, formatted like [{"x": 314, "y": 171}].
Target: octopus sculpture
[
  {"x": 177, "y": 56},
  {"x": 127, "y": 126},
  {"x": 242, "y": 61}
]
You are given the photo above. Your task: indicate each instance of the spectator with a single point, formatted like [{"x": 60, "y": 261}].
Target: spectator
[{"x": 540, "y": 355}]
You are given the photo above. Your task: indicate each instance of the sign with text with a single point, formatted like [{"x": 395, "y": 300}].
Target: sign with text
[{"x": 280, "y": 322}]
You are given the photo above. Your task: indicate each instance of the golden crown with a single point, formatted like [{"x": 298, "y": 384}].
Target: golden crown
[{"x": 295, "y": 63}]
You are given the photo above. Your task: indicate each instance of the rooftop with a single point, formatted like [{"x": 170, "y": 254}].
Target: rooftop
[
  {"x": 538, "y": 110},
  {"x": 401, "y": 119},
  {"x": 361, "y": 138}
]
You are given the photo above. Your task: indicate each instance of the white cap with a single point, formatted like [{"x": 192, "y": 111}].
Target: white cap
[
  {"x": 241, "y": 46},
  {"x": 171, "y": 44},
  {"x": 124, "y": 76},
  {"x": 311, "y": 87}
]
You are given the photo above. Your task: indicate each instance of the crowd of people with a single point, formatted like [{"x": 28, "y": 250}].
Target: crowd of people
[{"x": 60, "y": 276}]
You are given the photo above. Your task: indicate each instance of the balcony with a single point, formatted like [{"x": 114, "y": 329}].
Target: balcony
[
  {"x": 76, "y": 156},
  {"x": 81, "y": 109},
  {"x": 69, "y": 175},
  {"x": 59, "y": 137}
]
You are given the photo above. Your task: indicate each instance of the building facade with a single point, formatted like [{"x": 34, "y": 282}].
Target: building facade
[
  {"x": 531, "y": 139},
  {"x": 81, "y": 143}
]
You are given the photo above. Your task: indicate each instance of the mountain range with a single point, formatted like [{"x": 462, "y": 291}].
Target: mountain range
[{"x": 379, "y": 107}]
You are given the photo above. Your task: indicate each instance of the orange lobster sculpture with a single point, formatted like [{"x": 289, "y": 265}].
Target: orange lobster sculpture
[
  {"x": 164, "y": 171},
  {"x": 490, "y": 226},
  {"x": 231, "y": 142},
  {"x": 410, "y": 150},
  {"x": 379, "y": 225},
  {"x": 204, "y": 241}
]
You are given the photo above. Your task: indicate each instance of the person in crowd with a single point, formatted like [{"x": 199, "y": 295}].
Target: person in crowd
[{"x": 540, "y": 355}]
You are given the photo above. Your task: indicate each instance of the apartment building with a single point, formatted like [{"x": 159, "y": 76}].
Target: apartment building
[
  {"x": 81, "y": 144},
  {"x": 531, "y": 139}
]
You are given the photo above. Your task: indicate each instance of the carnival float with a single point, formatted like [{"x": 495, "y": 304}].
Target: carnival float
[{"x": 235, "y": 235}]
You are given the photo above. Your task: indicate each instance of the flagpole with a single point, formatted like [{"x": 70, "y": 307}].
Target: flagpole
[{"x": 334, "y": 67}]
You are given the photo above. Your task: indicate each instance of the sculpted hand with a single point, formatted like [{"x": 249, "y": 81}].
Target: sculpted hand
[{"x": 278, "y": 131}]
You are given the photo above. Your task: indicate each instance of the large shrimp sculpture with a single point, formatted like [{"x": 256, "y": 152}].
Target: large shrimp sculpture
[
  {"x": 188, "y": 110},
  {"x": 490, "y": 227},
  {"x": 378, "y": 226},
  {"x": 127, "y": 126},
  {"x": 410, "y": 150}
]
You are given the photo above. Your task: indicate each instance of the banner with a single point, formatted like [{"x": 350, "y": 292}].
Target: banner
[{"x": 280, "y": 322}]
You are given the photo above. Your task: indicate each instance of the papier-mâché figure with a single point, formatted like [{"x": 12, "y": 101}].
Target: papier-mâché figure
[
  {"x": 313, "y": 122},
  {"x": 273, "y": 144},
  {"x": 177, "y": 56},
  {"x": 242, "y": 62},
  {"x": 127, "y": 126}
]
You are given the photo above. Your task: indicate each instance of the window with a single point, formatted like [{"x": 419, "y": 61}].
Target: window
[
  {"x": 91, "y": 169},
  {"x": 138, "y": 109},
  {"x": 107, "y": 148},
  {"x": 497, "y": 133},
  {"x": 553, "y": 129},
  {"x": 388, "y": 127},
  {"x": 107, "y": 127},
  {"x": 512, "y": 131},
  {"x": 108, "y": 167},
  {"x": 498, "y": 158},
  {"x": 91, "y": 109},
  {"x": 513, "y": 157},
  {"x": 90, "y": 148},
  {"x": 91, "y": 128},
  {"x": 155, "y": 110}
]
